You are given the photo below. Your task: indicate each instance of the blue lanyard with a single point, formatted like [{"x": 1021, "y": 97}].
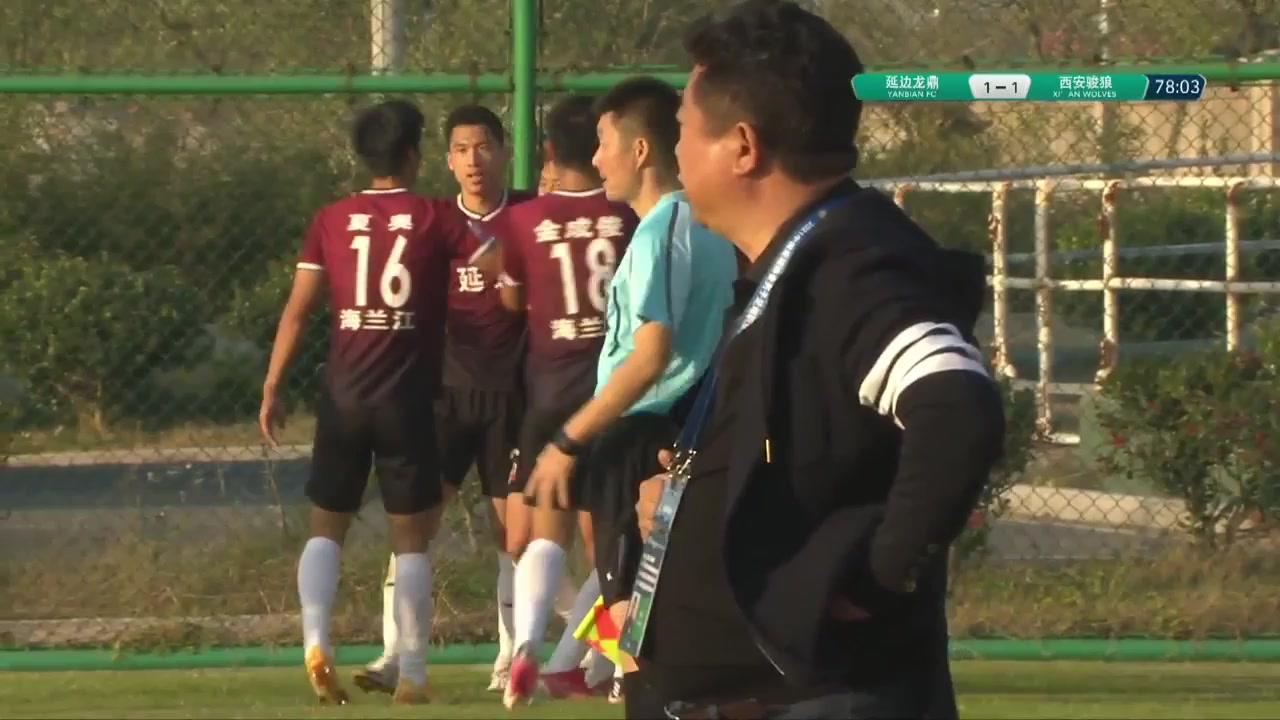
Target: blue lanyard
[{"x": 700, "y": 413}]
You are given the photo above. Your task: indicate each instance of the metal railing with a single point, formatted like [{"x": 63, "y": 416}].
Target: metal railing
[{"x": 1109, "y": 283}]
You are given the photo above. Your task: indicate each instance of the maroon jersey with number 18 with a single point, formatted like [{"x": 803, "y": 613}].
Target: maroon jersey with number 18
[
  {"x": 562, "y": 247},
  {"x": 485, "y": 343},
  {"x": 386, "y": 257}
]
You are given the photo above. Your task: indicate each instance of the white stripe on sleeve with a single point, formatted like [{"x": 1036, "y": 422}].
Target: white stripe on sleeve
[
  {"x": 873, "y": 384},
  {"x": 309, "y": 266},
  {"x": 920, "y": 350}
]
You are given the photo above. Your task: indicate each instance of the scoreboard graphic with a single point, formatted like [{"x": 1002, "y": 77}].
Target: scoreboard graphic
[{"x": 1033, "y": 87}]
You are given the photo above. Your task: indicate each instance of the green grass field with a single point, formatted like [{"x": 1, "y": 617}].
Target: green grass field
[{"x": 987, "y": 690}]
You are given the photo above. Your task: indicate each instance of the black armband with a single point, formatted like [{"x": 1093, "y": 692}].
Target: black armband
[{"x": 566, "y": 444}]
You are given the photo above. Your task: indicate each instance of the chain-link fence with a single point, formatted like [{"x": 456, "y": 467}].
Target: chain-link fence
[{"x": 147, "y": 244}]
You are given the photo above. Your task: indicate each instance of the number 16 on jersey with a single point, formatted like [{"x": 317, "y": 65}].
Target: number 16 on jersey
[{"x": 395, "y": 285}]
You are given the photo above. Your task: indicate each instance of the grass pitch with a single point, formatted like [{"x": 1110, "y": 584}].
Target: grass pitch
[{"x": 987, "y": 690}]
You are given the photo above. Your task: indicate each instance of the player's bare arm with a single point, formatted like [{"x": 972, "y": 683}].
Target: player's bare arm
[
  {"x": 308, "y": 287},
  {"x": 628, "y": 383}
]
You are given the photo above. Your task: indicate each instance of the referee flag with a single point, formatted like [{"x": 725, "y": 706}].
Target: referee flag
[{"x": 599, "y": 632}]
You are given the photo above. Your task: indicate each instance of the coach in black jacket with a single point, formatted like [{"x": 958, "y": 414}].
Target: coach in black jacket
[{"x": 854, "y": 422}]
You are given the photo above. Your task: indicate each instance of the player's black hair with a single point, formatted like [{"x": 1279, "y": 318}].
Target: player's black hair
[
  {"x": 788, "y": 74},
  {"x": 385, "y": 134},
  {"x": 475, "y": 115},
  {"x": 570, "y": 128},
  {"x": 646, "y": 107}
]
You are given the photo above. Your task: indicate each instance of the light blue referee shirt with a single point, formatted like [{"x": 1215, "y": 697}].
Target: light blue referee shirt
[{"x": 678, "y": 273}]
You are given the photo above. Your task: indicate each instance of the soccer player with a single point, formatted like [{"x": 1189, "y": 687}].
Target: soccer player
[
  {"x": 666, "y": 309},
  {"x": 560, "y": 258},
  {"x": 478, "y": 415},
  {"x": 383, "y": 255}
]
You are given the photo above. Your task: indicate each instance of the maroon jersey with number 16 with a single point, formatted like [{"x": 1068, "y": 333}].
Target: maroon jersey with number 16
[
  {"x": 386, "y": 257},
  {"x": 562, "y": 247}
]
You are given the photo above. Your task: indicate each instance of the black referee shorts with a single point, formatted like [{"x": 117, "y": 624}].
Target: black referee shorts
[
  {"x": 391, "y": 438},
  {"x": 478, "y": 427},
  {"x": 539, "y": 426},
  {"x": 621, "y": 458}
]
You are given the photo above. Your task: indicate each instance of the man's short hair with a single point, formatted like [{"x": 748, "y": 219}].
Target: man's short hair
[
  {"x": 475, "y": 115},
  {"x": 788, "y": 73},
  {"x": 646, "y": 107},
  {"x": 385, "y": 134},
  {"x": 570, "y": 128}
]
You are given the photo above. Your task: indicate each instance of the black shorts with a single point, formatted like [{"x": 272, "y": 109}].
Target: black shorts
[
  {"x": 539, "y": 426},
  {"x": 621, "y": 458},
  {"x": 478, "y": 427},
  {"x": 392, "y": 438}
]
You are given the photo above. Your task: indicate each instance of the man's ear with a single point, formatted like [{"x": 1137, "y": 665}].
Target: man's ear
[{"x": 642, "y": 151}]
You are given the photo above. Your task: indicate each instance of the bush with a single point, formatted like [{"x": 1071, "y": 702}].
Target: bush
[
  {"x": 83, "y": 337},
  {"x": 216, "y": 215},
  {"x": 252, "y": 316},
  {"x": 1202, "y": 427},
  {"x": 192, "y": 222}
]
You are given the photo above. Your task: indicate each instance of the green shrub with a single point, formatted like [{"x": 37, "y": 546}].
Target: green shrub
[
  {"x": 216, "y": 216},
  {"x": 252, "y": 316},
  {"x": 1202, "y": 428},
  {"x": 83, "y": 337},
  {"x": 137, "y": 212}
]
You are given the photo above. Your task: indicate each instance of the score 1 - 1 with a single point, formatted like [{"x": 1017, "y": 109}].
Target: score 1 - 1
[{"x": 999, "y": 87}]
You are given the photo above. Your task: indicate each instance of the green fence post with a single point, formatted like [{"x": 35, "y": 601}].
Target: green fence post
[
  {"x": 524, "y": 95},
  {"x": 248, "y": 84}
]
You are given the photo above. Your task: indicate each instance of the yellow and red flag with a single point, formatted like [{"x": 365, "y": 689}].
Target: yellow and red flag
[{"x": 600, "y": 632}]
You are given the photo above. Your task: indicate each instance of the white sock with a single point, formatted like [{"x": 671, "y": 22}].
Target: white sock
[
  {"x": 318, "y": 571},
  {"x": 506, "y": 609},
  {"x": 413, "y": 614},
  {"x": 566, "y": 596},
  {"x": 570, "y": 650},
  {"x": 389, "y": 615},
  {"x": 539, "y": 572},
  {"x": 618, "y": 672}
]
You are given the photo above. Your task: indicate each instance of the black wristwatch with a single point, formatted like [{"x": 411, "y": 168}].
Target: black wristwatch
[{"x": 566, "y": 444}]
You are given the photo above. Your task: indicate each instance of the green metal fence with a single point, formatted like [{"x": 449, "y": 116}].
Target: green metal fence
[{"x": 162, "y": 159}]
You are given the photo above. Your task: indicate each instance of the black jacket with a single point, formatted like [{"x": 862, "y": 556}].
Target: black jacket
[{"x": 847, "y": 502}]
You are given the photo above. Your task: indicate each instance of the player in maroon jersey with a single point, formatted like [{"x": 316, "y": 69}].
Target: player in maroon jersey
[
  {"x": 559, "y": 256},
  {"x": 384, "y": 256},
  {"x": 481, "y": 405}
]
